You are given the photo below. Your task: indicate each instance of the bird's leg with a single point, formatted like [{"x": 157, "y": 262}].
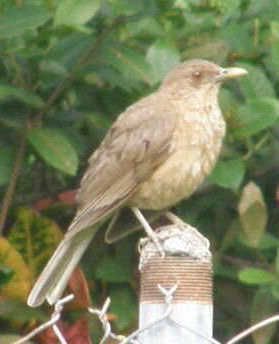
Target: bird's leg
[{"x": 149, "y": 231}]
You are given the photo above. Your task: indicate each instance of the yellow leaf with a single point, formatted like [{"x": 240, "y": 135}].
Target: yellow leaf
[
  {"x": 35, "y": 237},
  {"x": 19, "y": 286}
]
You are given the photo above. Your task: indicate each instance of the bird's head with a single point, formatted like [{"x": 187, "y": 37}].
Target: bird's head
[{"x": 198, "y": 73}]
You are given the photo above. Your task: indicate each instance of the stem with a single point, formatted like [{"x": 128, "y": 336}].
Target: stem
[{"x": 8, "y": 197}]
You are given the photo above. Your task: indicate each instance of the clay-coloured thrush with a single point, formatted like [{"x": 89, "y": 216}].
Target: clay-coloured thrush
[{"x": 157, "y": 153}]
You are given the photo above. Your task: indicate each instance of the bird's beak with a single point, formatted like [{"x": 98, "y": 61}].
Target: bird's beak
[{"x": 232, "y": 73}]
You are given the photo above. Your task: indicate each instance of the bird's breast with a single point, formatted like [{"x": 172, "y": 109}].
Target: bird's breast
[{"x": 196, "y": 144}]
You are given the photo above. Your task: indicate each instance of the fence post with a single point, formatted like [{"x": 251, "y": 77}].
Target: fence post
[{"x": 187, "y": 265}]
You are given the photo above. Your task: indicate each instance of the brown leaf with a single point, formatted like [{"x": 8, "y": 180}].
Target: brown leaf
[
  {"x": 68, "y": 197},
  {"x": 43, "y": 204},
  {"x": 79, "y": 287}
]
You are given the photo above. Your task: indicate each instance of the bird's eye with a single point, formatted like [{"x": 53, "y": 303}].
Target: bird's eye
[{"x": 196, "y": 74}]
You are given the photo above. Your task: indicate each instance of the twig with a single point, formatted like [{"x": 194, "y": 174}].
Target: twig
[
  {"x": 253, "y": 328},
  {"x": 8, "y": 197}
]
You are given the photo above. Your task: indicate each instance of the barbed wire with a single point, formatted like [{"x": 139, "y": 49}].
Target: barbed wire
[{"x": 133, "y": 338}]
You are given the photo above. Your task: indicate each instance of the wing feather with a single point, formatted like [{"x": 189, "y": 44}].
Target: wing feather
[{"x": 138, "y": 142}]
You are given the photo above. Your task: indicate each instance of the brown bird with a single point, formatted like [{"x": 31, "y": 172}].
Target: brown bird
[{"x": 157, "y": 153}]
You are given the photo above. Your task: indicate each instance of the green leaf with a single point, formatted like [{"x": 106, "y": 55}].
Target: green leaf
[
  {"x": 20, "y": 312},
  {"x": 255, "y": 116},
  {"x": 6, "y": 165},
  {"x": 277, "y": 260},
  {"x": 6, "y": 274},
  {"x": 275, "y": 289},
  {"x": 256, "y": 84},
  {"x": 130, "y": 64},
  {"x": 109, "y": 270},
  {"x": 10, "y": 338},
  {"x": 214, "y": 50},
  {"x": 162, "y": 56},
  {"x": 55, "y": 149},
  {"x": 253, "y": 214},
  {"x": 268, "y": 241},
  {"x": 118, "y": 267},
  {"x": 263, "y": 306},
  {"x": 75, "y": 12},
  {"x": 14, "y": 21},
  {"x": 228, "y": 173},
  {"x": 123, "y": 305},
  {"x": 254, "y": 276},
  {"x": 27, "y": 97}
]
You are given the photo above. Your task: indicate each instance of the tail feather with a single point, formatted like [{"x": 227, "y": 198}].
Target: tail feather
[{"x": 53, "y": 280}]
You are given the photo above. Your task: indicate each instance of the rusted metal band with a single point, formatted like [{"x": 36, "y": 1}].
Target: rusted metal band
[{"x": 193, "y": 277}]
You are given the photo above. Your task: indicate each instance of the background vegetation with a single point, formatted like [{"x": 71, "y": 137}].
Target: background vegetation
[{"x": 67, "y": 69}]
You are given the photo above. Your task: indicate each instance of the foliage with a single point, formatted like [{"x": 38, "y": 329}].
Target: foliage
[{"x": 67, "y": 68}]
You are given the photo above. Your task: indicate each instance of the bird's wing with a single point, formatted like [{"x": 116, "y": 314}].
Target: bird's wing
[{"x": 138, "y": 142}]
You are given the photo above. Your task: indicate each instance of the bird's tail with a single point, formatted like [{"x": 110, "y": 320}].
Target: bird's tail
[{"x": 54, "y": 278}]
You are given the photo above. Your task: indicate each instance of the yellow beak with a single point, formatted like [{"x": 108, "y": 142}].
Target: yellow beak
[{"x": 233, "y": 73}]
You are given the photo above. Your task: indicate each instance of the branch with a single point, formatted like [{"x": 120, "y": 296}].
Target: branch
[{"x": 8, "y": 197}]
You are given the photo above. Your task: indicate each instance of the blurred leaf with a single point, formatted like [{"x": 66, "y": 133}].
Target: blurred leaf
[
  {"x": 256, "y": 84},
  {"x": 75, "y": 12},
  {"x": 20, "y": 283},
  {"x": 215, "y": 50},
  {"x": 263, "y": 307},
  {"x": 272, "y": 60},
  {"x": 275, "y": 290},
  {"x": 10, "y": 338},
  {"x": 79, "y": 287},
  {"x": 35, "y": 237},
  {"x": 256, "y": 115},
  {"x": 6, "y": 274},
  {"x": 19, "y": 311},
  {"x": 6, "y": 165},
  {"x": 27, "y": 97},
  {"x": 113, "y": 269},
  {"x": 253, "y": 214},
  {"x": 55, "y": 149},
  {"x": 14, "y": 21},
  {"x": 162, "y": 56},
  {"x": 129, "y": 63},
  {"x": 123, "y": 305},
  {"x": 238, "y": 37},
  {"x": 227, "y": 7},
  {"x": 277, "y": 260},
  {"x": 228, "y": 173},
  {"x": 254, "y": 276},
  {"x": 268, "y": 241},
  {"x": 66, "y": 52}
]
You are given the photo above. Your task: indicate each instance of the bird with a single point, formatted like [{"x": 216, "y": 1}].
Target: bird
[{"x": 156, "y": 153}]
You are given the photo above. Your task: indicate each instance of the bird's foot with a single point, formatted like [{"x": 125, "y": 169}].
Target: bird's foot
[
  {"x": 176, "y": 221},
  {"x": 149, "y": 231}
]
